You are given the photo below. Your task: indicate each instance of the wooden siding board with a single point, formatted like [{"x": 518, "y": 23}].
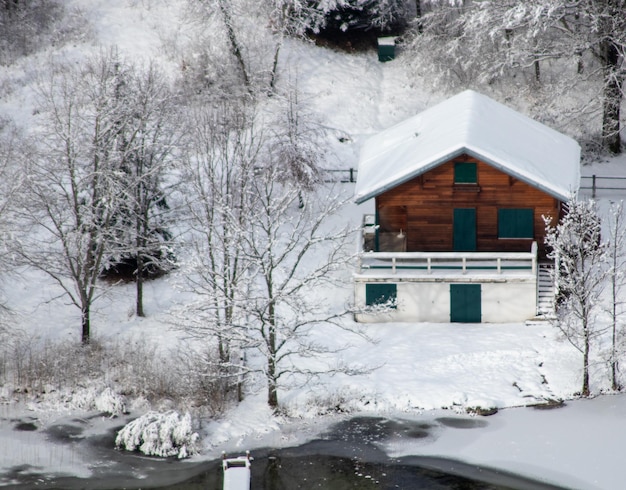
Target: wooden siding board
[{"x": 424, "y": 206}]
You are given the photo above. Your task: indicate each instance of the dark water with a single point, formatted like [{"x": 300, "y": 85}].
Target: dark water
[
  {"x": 350, "y": 455},
  {"x": 285, "y": 471}
]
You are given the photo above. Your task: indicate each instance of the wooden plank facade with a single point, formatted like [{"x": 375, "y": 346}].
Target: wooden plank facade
[{"x": 419, "y": 215}]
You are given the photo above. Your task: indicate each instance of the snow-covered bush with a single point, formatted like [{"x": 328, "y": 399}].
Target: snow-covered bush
[
  {"x": 110, "y": 402},
  {"x": 111, "y": 377},
  {"x": 159, "y": 434}
]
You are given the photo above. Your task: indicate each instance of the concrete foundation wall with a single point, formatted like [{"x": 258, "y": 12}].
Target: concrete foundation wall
[{"x": 501, "y": 302}]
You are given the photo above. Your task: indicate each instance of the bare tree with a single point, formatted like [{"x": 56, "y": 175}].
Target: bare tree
[
  {"x": 261, "y": 245},
  {"x": 29, "y": 26},
  {"x": 72, "y": 184},
  {"x": 580, "y": 273},
  {"x": 292, "y": 18},
  {"x": 12, "y": 153},
  {"x": 149, "y": 131},
  {"x": 296, "y": 138},
  {"x": 616, "y": 253},
  {"x": 218, "y": 170},
  {"x": 291, "y": 252},
  {"x": 239, "y": 27},
  {"x": 224, "y": 8}
]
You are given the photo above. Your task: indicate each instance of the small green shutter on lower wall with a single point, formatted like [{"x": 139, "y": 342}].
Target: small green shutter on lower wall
[
  {"x": 380, "y": 293},
  {"x": 465, "y": 303}
]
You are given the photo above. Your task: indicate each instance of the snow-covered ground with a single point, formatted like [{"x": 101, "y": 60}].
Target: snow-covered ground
[{"x": 420, "y": 369}]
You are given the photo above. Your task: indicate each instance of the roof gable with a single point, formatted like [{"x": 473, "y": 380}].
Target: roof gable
[{"x": 474, "y": 124}]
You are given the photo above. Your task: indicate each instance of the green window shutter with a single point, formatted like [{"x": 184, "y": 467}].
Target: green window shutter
[
  {"x": 465, "y": 303},
  {"x": 465, "y": 173},
  {"x": 516, "y": 223},
  {"x": 380, "y": 293}
]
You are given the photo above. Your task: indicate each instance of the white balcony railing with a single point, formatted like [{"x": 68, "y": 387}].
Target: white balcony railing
[
  {"x": 463, "y": 262},
  {"x": 512, "y": 263}
]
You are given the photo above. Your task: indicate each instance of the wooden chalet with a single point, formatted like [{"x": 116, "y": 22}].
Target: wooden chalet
[{"x": 457, "y": 232}]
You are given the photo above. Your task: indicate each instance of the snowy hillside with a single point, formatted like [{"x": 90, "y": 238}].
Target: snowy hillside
[
  {"x": 354, "y": 96},
  {"x": 393, "y": 368}
]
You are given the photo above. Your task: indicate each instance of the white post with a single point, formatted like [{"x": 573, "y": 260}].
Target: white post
[
  {"x": 499, "y": 265},
  {"x": 429, "y": 265},
  {"x": 464, "y": 265},
  {"x": 393, "y": 265}
]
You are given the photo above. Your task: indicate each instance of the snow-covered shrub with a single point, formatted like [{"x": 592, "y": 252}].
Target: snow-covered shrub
[
  {"x": 159, "y": 434},
  {"x": 109, "y": 376},
  {"x": 343, "y": 400},
  {"x": 110, "y": 402},
  {"x": 37, "y": 367}
]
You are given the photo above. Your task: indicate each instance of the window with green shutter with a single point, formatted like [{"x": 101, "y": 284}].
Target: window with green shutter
[
  {"x": 380, "y": 293},
  {"x": 516, "y": 223},
  {"x": 465, "y": 173}
]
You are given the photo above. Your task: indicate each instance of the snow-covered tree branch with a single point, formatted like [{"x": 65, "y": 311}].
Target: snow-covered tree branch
[
  {"x": 291, "y": 251},
  {"x": 616, "y": 250},
  {"x": 218, "y": 170},
  {"x": 580, "y": 272},
  {"x": 149, "y": 132},
  {"x": 488, "y": 41}
]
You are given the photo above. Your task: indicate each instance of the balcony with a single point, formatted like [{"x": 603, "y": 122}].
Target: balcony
[{"x": 492, "y": 266}]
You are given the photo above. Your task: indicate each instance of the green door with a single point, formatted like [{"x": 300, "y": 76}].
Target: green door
[
  {"x": 464, "y": 230},
  {"x": 465, "y": 303}
]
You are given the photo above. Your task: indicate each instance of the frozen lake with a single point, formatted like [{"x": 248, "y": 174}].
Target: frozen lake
[{"x": 406, "y": 451}]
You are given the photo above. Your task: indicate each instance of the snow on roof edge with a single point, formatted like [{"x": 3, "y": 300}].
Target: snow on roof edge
[
  {"x": 557, "y": 192},
  {"x": 397, "y": 180}
]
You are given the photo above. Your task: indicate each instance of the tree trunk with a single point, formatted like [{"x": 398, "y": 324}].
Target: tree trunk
[
  {"x": 86, "y": 325},
  {"x": 615, "y": 253},
  {"x": 272, "y": 385},
  {"x": 418, "y": 15},
  {"x": 234, "y": 44},
  {"x": 139, "y": 282},
  {"x": 141, "y": 233},
  {"x": 274, "y": 73},
  {"x": 612, "y": 99},
  {"x": 272, "y": 388},
  {"x": 585, "y": 387},
  {"x": 223, "y": 349},
  {"x": 537, "y": 71},
  {"x": 614, "y": 318},
  {"x": 272, "y": 392}
]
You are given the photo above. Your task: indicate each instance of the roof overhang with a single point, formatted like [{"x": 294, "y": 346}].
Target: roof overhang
[{"x": 560, "y": 194}]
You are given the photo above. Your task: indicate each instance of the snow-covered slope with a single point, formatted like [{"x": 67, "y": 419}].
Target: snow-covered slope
[{"x": 414, "y": 366}]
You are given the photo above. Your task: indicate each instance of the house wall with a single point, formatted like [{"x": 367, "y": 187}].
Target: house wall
[
  {"x": 429, "y": 301},
  {"x": 423, "y": 209}
]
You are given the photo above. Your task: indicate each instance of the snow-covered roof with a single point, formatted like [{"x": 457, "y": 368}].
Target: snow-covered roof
[{"x": 470, "y": 123}]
